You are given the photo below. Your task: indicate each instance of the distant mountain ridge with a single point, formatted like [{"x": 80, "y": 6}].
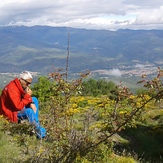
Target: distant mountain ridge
[{"x": 40, "y": 48}]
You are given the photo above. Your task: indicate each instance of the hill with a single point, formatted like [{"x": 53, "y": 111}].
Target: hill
[
  {"x": 122, "y": 55},
  {"x": 40, "y": 48}
]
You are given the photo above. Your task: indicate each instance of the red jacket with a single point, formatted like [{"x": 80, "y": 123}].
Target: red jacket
[{"x": 13, "y": 99}]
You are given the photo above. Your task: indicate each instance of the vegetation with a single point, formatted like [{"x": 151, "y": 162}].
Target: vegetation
[
  {"x": 97, "y": 88},
  {"x": 90, "y": 121},
  {"x": 39, "y": 47}
]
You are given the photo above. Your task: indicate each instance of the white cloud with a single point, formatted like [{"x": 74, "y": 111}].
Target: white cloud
[
  {"x": 91, "y": 14},
  {"x": 115, "y": 72},
  {"x": 150, "y": 16}
]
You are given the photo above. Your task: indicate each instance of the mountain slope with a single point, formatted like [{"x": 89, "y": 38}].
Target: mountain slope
[{"x": 39, "y": 48}]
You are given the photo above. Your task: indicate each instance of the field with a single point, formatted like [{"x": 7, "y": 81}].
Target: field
[
  {"x": 140, "y": 141},
  {"x": 89, "y": 125}
]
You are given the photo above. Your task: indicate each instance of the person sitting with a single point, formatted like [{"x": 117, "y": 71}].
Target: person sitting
[{"x": 17, "y": 103}]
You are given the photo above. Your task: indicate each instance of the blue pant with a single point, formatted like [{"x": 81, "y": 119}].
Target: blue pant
[{"x": 33, "y": 118}]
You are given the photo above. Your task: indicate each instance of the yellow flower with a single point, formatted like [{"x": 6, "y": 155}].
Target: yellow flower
[
  {"x": 147, "y": 97},
  {"x": 74, "y": 105},
  {"x": 91, "y": 102},
  {"x": 122, "y": 112},
  {"x": 138, "y": 104},
  {"x": 72, "y": 111},
  {"x": 132, "y": 97}
]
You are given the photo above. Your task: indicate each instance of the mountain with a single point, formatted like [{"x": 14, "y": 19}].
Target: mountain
[{"x": 41, "y": 48}]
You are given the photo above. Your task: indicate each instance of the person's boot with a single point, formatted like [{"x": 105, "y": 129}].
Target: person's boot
[{"x": 41, "y": 132}]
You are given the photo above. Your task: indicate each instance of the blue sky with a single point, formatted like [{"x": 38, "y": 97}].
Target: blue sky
[{"x": 89, "y": 14}]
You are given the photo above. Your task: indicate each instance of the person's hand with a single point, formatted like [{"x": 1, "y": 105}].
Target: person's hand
[
  {"x": 33, "y": 106},
  {"x": 28, "y": 91}
]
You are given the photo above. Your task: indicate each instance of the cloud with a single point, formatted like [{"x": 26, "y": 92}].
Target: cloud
[
  {"x": 147, "y": 16},
  {"x": 89, "y": 14},
  {"x": 113, "y": 72}
]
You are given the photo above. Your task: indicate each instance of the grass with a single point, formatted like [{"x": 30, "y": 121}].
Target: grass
[
  {"x": 23, "y": 148},
  {"x": 9, "y": 150},
  {"x": 146, "y": 138},
  {"x": 143, "y": 143},
  {"x": 18, "y": 147}
]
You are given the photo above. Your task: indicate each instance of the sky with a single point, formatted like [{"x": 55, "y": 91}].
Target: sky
[{"x": 88, "y": 14}]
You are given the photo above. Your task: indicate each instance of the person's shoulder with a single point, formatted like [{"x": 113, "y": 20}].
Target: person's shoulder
[{"x": 12, "y": 83}]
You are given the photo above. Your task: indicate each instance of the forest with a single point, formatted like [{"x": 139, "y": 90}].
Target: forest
[{"x": 89, "y": 121}]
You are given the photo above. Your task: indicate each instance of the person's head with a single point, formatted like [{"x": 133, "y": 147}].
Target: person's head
[{"x": 25, "y": 79}]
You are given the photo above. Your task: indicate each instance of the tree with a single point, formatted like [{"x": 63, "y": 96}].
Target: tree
[
  {"x": 97, "y": 87},
  {"x": 42, "y": 88}
]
